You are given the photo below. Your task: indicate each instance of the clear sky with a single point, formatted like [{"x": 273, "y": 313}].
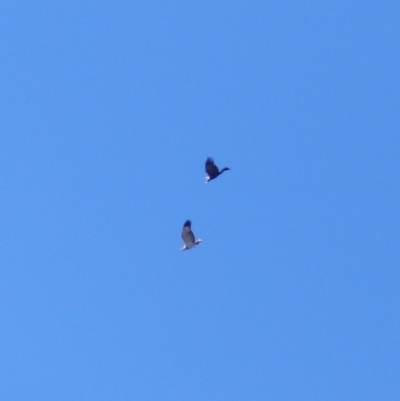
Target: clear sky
[{"x": 108, "y": 111}]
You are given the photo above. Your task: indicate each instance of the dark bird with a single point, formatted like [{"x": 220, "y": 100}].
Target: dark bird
[
  {"x": 212, "y": 170},
  {"x": 188, "y": 236}
]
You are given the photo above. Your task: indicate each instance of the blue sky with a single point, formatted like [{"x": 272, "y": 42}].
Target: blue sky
[{"x": 108, "y": 112}]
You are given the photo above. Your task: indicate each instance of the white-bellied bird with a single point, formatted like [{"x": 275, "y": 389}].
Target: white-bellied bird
[
  {"x": 188, "y": 236},
  {"x": 212, "y": 170}
]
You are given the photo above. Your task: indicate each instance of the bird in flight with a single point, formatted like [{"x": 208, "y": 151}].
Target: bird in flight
[
  {"x": 188, "y": 236},
  {"x": 212, "y": 170}
]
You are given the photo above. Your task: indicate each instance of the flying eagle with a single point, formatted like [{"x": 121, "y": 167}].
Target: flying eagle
[
  {"x": 188, "y": 236},
  {"x": 212, "y": 170}
]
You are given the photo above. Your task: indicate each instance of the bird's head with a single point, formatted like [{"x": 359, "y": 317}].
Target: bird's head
[
  {"x": 207, "y": 179},
  {"x": 198, "y": 241}
]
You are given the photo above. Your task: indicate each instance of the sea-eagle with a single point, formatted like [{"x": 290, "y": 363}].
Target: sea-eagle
[
  {"x": 188, "y": 236},
  {"x": 212, "y": 170}
]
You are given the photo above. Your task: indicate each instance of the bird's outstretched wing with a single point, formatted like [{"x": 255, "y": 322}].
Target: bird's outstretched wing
[
  {"x": 187, "y": 233},
  {"x": 211, "y": 169}
]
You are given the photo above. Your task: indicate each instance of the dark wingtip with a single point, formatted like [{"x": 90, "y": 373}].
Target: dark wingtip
[{"x": 188, "y": 223}]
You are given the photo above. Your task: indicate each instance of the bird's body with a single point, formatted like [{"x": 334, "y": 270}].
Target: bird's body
[
  {"x": 188, "y": 236},
  {"x": 212, "y": 170}
]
